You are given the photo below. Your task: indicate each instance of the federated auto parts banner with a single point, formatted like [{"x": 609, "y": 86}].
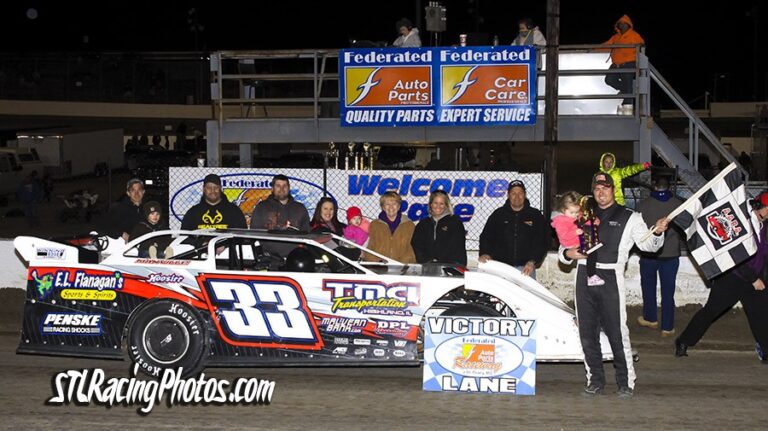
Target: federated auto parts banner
[
  {"x": 479, "y": 85},
  {"x": 480, "y": 354},
  {"x": 474, "y": 195}
]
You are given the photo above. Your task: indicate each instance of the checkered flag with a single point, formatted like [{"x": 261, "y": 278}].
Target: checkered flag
[{"x": 719, "y": 224}]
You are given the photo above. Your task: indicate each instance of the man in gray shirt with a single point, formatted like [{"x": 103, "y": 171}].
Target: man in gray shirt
[
  {"x": 279, "y": 211},
  {"x": 664, "y": 262}
]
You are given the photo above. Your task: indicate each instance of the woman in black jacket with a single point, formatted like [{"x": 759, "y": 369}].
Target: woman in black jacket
[
  {"x": 325, "y": 219},
  {"x": 441, "y": 236}
]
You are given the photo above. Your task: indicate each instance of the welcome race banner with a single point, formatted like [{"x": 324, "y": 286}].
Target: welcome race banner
[
  {"x": 480, "y": 85},
  {"x": 474, "y": 195}
]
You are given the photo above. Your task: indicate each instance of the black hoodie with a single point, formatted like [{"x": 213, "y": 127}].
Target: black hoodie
[
  {"x": 223, "y": 215},
  {"x": 515, "y": 237}
]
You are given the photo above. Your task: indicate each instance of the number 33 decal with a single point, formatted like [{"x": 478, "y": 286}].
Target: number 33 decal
[{"x": 262, "y": 312}]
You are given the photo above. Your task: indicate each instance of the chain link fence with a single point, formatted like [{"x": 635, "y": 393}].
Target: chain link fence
[{"x": 474, "y": 195}]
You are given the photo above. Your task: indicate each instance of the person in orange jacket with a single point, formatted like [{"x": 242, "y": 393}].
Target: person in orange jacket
[{"x": 623, "y": 58}]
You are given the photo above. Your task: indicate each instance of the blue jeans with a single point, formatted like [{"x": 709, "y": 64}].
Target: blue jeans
[{"x": 667, "y": 270}]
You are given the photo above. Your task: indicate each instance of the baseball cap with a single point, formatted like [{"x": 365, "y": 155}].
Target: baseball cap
[
  {"x": 213, "y": 179},
  {"x": 761, "y": 200},
  {"x": 133, "y": 181},
  {"x": 603, "y": 179},
  {"x": 516, "y": 183}
]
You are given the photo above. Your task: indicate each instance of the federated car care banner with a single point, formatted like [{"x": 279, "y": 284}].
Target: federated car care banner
[
  {"x": 480, "y": 354},
  {"x": 480, "y": 85},
  {"x": 474, "y": 195}
]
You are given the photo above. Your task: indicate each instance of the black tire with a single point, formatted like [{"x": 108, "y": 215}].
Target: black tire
[
  {"x": 167, "y": 334},
  {"x": 471, "y": 310}
]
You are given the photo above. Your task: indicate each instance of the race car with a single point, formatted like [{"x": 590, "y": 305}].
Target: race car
[{"x": 202, "y": 298}]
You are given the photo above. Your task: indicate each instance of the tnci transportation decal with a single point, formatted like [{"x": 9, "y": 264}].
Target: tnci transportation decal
[{"x": 438, "y": 86}]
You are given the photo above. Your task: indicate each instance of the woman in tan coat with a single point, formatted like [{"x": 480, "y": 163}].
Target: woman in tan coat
[{"x": 391, "y": 233}]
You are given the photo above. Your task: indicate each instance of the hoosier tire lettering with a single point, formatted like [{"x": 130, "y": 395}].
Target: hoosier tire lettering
[{"x": 167, "y": 334}]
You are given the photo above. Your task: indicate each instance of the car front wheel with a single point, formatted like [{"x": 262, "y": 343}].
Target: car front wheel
[{"x": 167, "y": 334}]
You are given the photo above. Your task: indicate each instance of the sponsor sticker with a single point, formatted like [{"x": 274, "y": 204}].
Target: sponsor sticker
[
  {"x": 51, "y": 253},
  {"x": 88, "y": 295},
  {"x": 343, "y": 325},
  {"x": 71, "y": 324}
]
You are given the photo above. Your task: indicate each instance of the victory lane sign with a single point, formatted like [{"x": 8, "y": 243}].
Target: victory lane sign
[{"x": 480, "y": 354}]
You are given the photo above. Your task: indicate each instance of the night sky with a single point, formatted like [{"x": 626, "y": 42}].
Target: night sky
[{"x": 692, "y": 46}]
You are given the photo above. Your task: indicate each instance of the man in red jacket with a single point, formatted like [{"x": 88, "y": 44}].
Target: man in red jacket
[{"x": 623, "y": 58}]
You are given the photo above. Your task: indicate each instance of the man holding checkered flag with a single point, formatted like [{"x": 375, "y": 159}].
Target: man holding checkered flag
[{"x": 727, "y": 237}]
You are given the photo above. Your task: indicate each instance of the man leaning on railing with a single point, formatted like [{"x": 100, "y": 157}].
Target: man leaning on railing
[{"x": 623, "y": 58}]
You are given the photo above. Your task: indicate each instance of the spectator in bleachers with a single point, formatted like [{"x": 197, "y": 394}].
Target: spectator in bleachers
[
  {"x": 623, "y": 58},
  {"x": 409, "y": 35}
]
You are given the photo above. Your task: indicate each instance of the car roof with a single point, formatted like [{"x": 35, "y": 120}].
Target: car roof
[{"x": 277, "y": 234}]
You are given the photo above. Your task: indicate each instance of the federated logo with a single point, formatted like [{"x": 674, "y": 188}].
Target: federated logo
[
  {"x": 244, "y": 189},
  {"x": 477, "y": 357},
  {"x": 388, "y": 86},
  {"x": 492, "y": 85}
]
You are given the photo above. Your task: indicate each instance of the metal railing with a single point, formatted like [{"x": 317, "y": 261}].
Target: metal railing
[
  {"x": 252, "y": 82},
  {"x": 112, "y": 77},
  {"x": 695, "y": 126}
]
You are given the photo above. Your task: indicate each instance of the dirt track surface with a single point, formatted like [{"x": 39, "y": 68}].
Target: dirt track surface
[{"x": 720, "y": 386}]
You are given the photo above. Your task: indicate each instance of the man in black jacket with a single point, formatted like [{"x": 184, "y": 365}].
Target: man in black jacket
[
  {"x": 126, "y": 213},
  {"x": 516, "y": 234},
  {"x": 214, "y": 210}
]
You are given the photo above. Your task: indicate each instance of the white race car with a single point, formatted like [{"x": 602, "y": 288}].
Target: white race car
[{"x": 252, "y": 298}]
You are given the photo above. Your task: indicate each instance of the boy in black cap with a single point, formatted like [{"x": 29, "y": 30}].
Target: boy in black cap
[
  {"x": 153, "y": 214},
  {"x": 214, "y": 210}
]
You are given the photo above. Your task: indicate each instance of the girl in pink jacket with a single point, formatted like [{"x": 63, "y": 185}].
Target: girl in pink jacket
[{"x": 354, "y": 230}]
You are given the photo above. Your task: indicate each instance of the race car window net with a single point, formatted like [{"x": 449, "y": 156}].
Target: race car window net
[{"x": 171, "y": 246}]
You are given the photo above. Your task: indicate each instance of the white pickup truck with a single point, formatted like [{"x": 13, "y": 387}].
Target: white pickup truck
[{"x": 15, "y": 165}]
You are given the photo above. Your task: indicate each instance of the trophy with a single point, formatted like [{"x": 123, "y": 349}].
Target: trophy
[
  {"x": 350, "y": 153},
  {"x": 375, "y": 154},
  {"x": 367, "y": 157},
  {"x": 332, "y": 154},
  {"x": 589, "y": 241}
]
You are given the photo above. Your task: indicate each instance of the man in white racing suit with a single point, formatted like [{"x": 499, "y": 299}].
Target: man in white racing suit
[{"x": 603, "y": 306}]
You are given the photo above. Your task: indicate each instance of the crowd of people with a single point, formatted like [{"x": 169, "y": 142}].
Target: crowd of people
[{"x": 596, "y": 234}]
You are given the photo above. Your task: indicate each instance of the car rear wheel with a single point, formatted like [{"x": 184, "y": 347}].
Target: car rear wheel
[{"x": 167, "y": 334}]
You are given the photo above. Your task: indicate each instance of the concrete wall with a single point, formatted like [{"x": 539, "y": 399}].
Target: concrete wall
[{"x": 552, "y": 274}]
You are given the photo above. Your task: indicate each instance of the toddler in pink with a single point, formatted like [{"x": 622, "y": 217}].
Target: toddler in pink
[
  {"x": 568, "y": 233},
  {"x": 354, "y": 230}
]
